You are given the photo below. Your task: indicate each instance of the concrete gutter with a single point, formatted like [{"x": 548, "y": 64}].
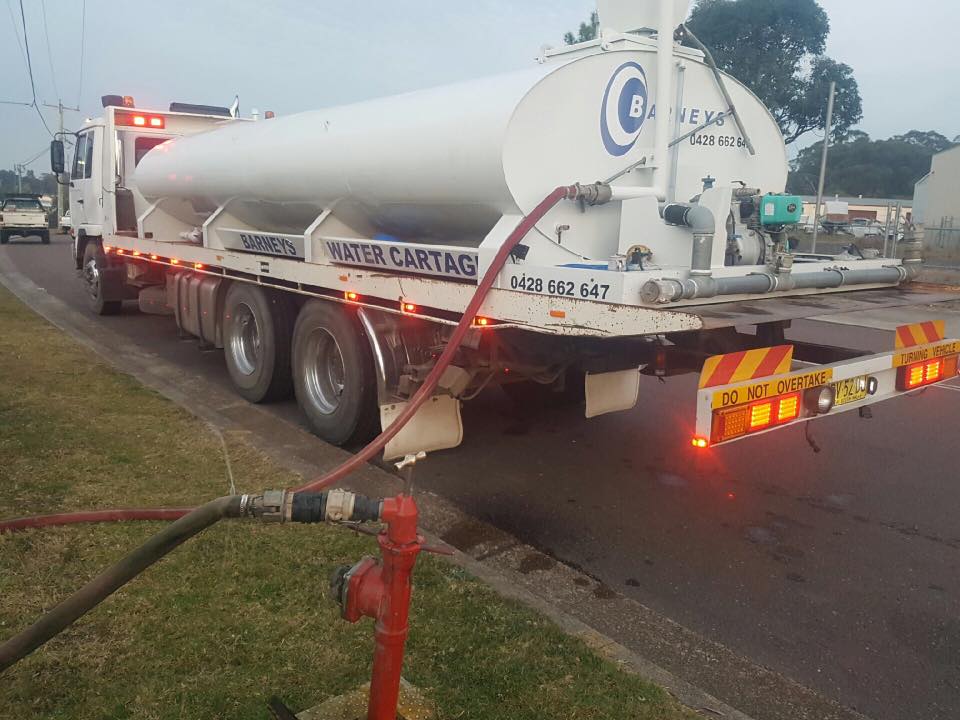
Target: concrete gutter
[{"x": 650, "y": 645}]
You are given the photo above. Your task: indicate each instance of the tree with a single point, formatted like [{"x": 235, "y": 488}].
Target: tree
[
  {"x": 46, "y": 184},
  {"x": 588, "y": 31},
  {"x": 872, "y": 168},
  {"x": 776, "y": 48},
  {"x": 930, "y": 140}
]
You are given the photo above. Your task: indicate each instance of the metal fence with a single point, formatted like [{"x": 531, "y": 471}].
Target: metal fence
[{"x": 941, "y": 242}]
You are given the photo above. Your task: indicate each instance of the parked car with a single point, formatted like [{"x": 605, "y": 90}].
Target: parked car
[
  {"x": 863, "y": 228},
  {"x": 23, "y": 215}
]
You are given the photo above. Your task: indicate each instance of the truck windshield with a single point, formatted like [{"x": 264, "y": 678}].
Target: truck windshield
[{"x": 12, "y": 204}]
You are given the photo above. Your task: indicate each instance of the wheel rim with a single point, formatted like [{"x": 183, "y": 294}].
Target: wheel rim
[
  {"x": 245, "y": 345},
  {"x": 91, "y": 276},
  {"x": 323, "y": 370}
]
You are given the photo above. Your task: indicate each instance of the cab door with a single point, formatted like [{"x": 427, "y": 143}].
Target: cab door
[{"x": 86, "y": 186}]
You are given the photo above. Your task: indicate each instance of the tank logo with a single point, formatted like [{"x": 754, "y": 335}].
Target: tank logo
[
  {"x": 399, "y": 257},
  {"x": 288, "y": 246},
  {"x": 624, "y": 109}
]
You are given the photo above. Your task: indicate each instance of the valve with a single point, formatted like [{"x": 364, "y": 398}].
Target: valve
[{"x": 380, "y": 589}]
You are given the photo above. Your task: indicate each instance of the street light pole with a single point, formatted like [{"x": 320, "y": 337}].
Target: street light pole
[{"x": 823, "y": 164}]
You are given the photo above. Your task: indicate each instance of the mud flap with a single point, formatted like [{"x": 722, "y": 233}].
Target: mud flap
[
  {"x": 436, "y": 426},
  {"x": 611, "y": 392},
  {"x": 112, "y": 283}
]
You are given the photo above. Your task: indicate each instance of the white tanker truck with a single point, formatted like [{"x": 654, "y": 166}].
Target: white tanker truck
[{"x": 332, "y": 253}]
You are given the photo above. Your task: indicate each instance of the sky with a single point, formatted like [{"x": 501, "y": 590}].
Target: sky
[{"x": 289, "y": 56}]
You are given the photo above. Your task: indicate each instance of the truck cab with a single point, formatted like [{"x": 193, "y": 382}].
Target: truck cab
[{"x": 104, "y": 199}]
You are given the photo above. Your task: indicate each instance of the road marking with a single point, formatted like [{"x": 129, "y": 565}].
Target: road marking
[{"x": 948, "y": 387}]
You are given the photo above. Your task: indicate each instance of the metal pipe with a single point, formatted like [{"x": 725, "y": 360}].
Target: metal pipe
[
  {"x": 665, "y": 26},
  {"x": 661, "y": 292},
  {"x": 701, "y": 220},
  {"x": 723, "y": 88},
  {"x": 674, "y": 146}
]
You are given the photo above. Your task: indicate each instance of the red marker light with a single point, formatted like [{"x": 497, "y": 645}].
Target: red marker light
[
  {"x": 351, "y": 296},
  {"x": 700, "y": 443},
  {"x": 174, "y": 261},
  {"x": 482, "y": 321},
  {"x": 154, "y": 256},
  {"x": 409, "y": 307},
  {"x": 107, "y": 248},
  {"x": 198, "y": 266},
  {"x": 927, "y": 372},
  {"x": 136, "y": 253},
  {"x": 119, "y": 251},
  {"x": 155, "y": 122}
]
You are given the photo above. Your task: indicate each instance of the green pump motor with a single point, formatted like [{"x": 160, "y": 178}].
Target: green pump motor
[{"x": 781, "y": 209}]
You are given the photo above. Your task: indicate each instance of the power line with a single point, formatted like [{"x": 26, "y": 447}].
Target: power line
[
  {"x": 26, "y": 44},
  {"x": 33, "y": 87},
  {"x": 36, "y": 157},
  {"x": 15, "y": 32},
  {"x": 46, "y": 33},
  {"x": 13, "y": 20}
]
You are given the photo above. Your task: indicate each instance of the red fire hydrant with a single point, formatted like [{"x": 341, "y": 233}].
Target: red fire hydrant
[{"x": 381, "y": 590}]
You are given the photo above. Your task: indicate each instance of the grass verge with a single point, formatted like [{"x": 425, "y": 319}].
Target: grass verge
[{"x": 239, "y": 613}]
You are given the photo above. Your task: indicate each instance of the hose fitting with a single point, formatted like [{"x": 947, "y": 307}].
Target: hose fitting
[
  {"x": 273, "y": 506},
  {"x": 334, "y": 506}
]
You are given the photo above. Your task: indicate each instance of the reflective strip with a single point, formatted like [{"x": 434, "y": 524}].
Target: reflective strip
[
  {"x": 924, "y": 333},
  {"x": 746, "y": 365}
]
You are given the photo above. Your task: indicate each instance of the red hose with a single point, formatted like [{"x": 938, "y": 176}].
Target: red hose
[
  {"x": 466, "y": 322},
  {"x": 378, "y": 443},
  {"x": 94, "y": 516}
]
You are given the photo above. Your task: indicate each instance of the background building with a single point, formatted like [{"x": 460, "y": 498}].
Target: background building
[{"x": 936, "y": 201}]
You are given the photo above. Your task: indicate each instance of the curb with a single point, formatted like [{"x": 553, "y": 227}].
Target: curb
[{"x": 578, "y": 603}]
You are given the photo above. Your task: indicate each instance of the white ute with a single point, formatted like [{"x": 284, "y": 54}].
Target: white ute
[
  {"x": 332, "y": 253},
  {"x": 23, "y": 215}
]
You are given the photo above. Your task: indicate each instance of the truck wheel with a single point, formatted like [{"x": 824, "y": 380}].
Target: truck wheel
[
  {"x": 94, "y": 262},
  {"x": 4, "y": 237},
  {"x": 45, "y": 237},
  {"x": 333, "y": 374},
  {"x": 257, "y": 325}
]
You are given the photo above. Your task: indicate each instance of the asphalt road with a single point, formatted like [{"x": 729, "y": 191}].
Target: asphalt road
[{"x": 837, "y": 568}]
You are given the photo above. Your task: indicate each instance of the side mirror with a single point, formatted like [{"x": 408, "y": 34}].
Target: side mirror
[{"x": 56, "y": 157}]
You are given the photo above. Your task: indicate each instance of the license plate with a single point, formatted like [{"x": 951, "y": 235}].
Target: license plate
[{"x": 852, "y": 390}]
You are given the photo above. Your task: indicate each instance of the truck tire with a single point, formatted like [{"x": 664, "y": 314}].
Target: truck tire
[
  {"x": 45, "y": 237},
  {"x": 94, "y": 262},
  {"x": 333, "y": 374},
  {"x": 257, "y": 326},
  {"x": 4, "y": 238}
]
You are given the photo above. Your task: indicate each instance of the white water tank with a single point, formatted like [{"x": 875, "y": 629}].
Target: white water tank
[{"x": 445, "y": 164}]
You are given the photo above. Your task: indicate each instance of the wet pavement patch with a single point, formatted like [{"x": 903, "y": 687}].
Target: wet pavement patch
[{"x": 536, "y": 561}]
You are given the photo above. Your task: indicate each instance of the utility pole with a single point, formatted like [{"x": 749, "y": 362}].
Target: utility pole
[
  {"x": 61, "y": 187},
  {"x": 823, "y": 164},
  {"x": 19, "y": 169}
]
